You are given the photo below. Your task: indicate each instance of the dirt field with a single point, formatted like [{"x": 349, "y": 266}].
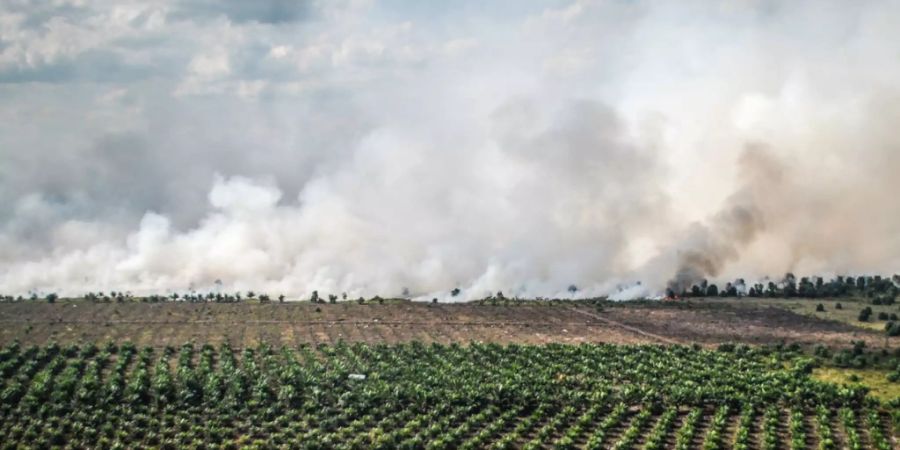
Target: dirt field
[{"x": 708, "y": 323}]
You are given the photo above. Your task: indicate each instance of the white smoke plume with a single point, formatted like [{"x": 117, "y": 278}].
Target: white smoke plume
[{"x": 375, "y": 148}]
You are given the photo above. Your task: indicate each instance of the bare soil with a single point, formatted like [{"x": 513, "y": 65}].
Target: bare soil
[{"x": 247, "y": 324}]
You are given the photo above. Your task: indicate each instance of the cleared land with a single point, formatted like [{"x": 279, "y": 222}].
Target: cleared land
[{"x": 248, "y": 324}]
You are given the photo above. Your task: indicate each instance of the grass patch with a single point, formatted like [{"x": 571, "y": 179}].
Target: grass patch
[
  {"x": 875, "y": 380},
  {"x": 849, "y": 314}
]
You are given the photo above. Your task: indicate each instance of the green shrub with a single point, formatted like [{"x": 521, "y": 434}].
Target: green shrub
[{"x": 892, "y": 328}]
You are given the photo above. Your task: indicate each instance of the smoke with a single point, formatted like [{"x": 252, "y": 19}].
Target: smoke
[
  {"x": 618, "y": 147},
  {"x": 706, "y": 249},
  {"x": 402, "y": 214}
]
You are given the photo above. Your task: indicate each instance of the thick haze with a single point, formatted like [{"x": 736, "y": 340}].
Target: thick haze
[{"x": 372, "y": 147}]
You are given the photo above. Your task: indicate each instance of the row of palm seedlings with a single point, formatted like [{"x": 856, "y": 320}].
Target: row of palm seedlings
[
  {"x": 744, "y": 428},
  {"x": 656, "y": 438},
  {"x": 411, "y": 395}
]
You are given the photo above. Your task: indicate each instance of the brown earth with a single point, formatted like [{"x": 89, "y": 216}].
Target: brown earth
[{"x": 247, "y": 324}]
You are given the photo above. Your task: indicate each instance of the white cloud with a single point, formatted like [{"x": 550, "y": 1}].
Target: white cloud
[
  {"x": 210, "y": 65},
  {"x": 460, "y": 45},
  {"x": 280, "y": 51}
]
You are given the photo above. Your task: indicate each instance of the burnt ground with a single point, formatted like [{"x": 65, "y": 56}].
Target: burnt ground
[
  {"x": 740, "y": 321},
  {"x": 248, "y": 324}
]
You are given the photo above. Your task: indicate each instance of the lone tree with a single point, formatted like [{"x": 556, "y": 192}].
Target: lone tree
[
  {"x": 454, "y": 292},
  {"x": 314, "y": 298},
  {"x": 51, "y": 298}
]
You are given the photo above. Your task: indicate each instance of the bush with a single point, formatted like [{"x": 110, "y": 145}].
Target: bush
[
  {"x": 865, "y": 314},
  {"x": 804, "y": 366},
  {"x": 894, "y": 377},
  {"x": 882, "y": 316},
  {"x": 820, "y": 308},
  {"x": 726, "y": 347},
  {"x": 838, "y": 306},
  {"x": 851, "y": 358},
  {"x": 892, "y": 328}
]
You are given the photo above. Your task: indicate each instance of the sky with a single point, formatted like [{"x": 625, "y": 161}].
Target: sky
[{"x": 376, "y": 148}]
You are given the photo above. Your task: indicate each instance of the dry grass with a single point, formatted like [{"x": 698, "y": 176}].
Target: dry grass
[{"x": 875, "y": 380}]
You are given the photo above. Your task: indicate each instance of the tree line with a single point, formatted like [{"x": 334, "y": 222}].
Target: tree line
[{"x": 880, "y": 289}]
